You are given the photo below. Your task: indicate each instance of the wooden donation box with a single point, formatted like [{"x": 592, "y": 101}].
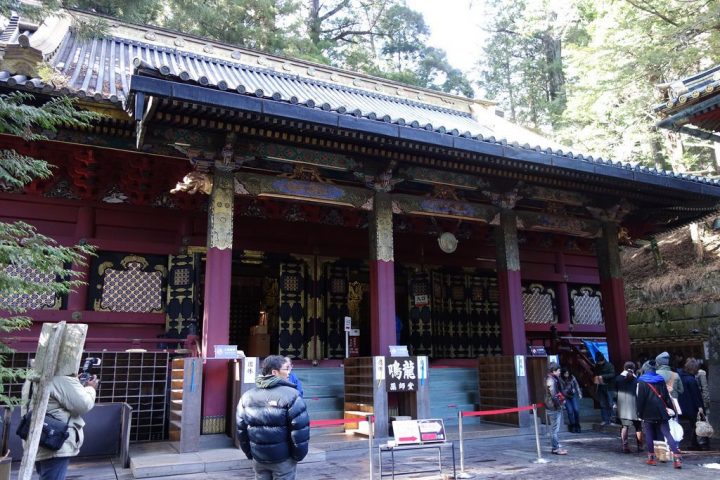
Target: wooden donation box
[{"x": 259, "y": 342}]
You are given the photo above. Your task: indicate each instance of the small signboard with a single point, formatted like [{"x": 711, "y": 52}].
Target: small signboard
[
  {"x": 431, "y": 430},
  {"x": 348, "y": 324},
  {"x": 402, "y": 374},
  {"x": 398, "y": 351},
  {"x": 406, "y": 432},
  {"x": 379, "y": 369},
  {"x": 250, "y": 370},
  {"x": 537, "y": 351},
  {"x": 226, "y": 351},
  {"x": 354, "y": 343},
  {"x": 520, "y": 365},
  {"x": 421, "y": 300}
]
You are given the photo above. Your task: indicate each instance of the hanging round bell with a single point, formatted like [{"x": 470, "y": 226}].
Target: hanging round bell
[{"x": 447, "y": 242}]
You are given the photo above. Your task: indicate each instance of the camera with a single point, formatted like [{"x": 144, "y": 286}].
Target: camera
[{"x": 88, "y": 365}]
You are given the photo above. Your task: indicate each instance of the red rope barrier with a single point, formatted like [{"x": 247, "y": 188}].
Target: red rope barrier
[
  {"x": 334, "y": 423},
  {"x": 496, "y": 412}
]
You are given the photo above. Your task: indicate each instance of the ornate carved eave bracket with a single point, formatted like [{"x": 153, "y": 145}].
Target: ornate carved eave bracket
[
  {"x": 613, "y": 214},
  {"x": 504, "y": 200},
  {"x": 382, "y": 181},
  {"x": 205, "y": 159},
  {"x": 437, "y": 207},
  {"x": 294, "y": 189}
]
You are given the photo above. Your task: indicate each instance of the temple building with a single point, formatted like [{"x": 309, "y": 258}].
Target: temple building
[{"x": 239, "y": 198}]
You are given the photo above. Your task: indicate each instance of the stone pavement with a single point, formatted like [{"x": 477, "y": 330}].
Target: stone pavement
[{"x": 593, "y": 455}]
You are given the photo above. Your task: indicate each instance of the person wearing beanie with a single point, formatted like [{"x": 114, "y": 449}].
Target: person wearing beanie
[
  {"x": 672, "y": 379},
  {"x": 554, "y": 400},
  {"x": 604, "y": 374},
  {"x": 654, "y": 408}
]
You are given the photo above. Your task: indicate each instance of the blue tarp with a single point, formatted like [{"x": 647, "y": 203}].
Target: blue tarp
[{"x": 594, "y": 347}]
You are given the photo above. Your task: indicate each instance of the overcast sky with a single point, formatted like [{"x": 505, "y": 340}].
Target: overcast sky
[{"x": 454, "y": 27}]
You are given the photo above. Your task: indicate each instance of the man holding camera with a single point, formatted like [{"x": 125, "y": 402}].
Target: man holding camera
[{"x": 69, "y": 399}]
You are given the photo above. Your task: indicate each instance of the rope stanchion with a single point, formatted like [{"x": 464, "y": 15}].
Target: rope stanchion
[
  {"x": 539, "y": 458},
  {"x": 482, "y": 413},
  {"x": 463, "y": 473},
  {"x": 371, "y": 435}
]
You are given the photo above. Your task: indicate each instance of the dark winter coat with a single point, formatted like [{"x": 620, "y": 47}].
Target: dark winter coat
[
  {"x": 554, "y": 397},
  {"x": 272, "y": 422},
  {"x": 691, "y": 398},
  {"x": 607, "y": 372},
  {"x": 650, "y": 407},
  {"x": 626, "y": 386}
]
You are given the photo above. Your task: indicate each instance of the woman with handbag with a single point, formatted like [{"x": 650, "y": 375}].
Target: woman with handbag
[
  {"x": 69, "y": 399},
  {"x": 654, "y": 409}
]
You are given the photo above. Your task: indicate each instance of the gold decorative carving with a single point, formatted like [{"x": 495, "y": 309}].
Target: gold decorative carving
[
  {"x": 356, "y": 290},
  {"x": 381, "y": 228},
  {"x": 308, "y": 173},
  {"x": 221, "y": 211},
  {"x": 444, "y": 192},
  {"x": 195, "y": 182}
]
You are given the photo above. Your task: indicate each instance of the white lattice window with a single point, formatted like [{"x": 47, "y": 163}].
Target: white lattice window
[
  {"x": 539, "y": 304},
  {"x": 586, "y": 306}
]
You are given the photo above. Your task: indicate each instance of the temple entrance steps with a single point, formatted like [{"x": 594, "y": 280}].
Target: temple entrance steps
[
  {"x": 324, "y": 393},
  {"x": 453, "y": 389}
]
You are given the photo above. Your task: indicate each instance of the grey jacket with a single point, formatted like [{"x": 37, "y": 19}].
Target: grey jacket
[
  {"x": 672, "y": 379},
  {"x": 68, "y": 400}
]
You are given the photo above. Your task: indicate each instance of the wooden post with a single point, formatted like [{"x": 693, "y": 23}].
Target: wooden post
[{"x": 41, "y": 395}]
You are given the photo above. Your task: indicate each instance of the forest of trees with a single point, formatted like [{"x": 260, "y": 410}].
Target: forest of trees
[{"x": 581, "y": 71}]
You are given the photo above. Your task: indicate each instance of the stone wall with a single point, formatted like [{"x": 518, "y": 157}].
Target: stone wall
[{"x": 675, "y": 320}]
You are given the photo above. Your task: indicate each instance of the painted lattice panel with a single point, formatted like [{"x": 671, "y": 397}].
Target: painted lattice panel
[
  {"x": 539, "y": 304},
  {"x": 586, "y": 306},
  {"x": 292, "y": 309},
  {"x": 132, "y": 290},
  {"x": 128, "y": 283},
  {"x": 484, "y": 315},
  {"x": 338, "y": 279},
  {"x": 31, "y": 301}
]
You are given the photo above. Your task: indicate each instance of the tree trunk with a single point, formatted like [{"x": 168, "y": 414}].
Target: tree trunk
[
  {"x": 697, "y": 242},
  {"x": 313, "y": 22}
]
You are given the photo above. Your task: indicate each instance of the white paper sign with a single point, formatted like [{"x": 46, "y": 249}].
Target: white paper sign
[
  {"x": 348, "y": 324},
  {"x": 379, "y": 368},
  {"x": 520, "y": 365},
  {"x": 422, "y": 367},
  {"x": 250, "y": 370}
]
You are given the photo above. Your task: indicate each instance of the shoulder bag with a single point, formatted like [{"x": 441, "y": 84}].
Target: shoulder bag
[{"x": 54, "y": 431}]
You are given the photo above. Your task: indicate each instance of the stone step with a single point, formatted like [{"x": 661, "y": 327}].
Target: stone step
[{"x": 165, "y": 461}]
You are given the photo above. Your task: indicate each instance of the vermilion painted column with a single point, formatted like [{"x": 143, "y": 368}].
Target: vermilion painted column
[
  {"x": 563, "y": 297},
  {"x": 216, "y": 316},
  {"x": 382, "y": 276},
  {"x": 84, "y": 230},
  {"x": 613, "y": 295},
  {"x": 512, "y": 316}
]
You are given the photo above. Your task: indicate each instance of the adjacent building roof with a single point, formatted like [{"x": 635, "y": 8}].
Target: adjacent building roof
[
  {"x": 101, "y": 70},
  {"x": 691, "y": 105}
]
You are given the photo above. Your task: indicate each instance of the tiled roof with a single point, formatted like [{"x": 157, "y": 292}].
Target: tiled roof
[
  {"x": 690, "y": 90},
  {"x": 100, "y": 69}
]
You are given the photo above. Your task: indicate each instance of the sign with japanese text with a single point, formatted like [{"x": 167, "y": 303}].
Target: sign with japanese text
[
  {"x": 250, "y": 370},
  {"x": 354, "y": 343},
  {"x": 401, "y": 374},
  {"x": 226, "y": 351}
]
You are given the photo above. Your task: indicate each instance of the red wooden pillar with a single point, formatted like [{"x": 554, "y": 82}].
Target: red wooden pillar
[
  {"x": 613, "y": 295},
  {"x": 382, "y": 276},
  {"x": 216, "y": 316},
  {"x": 512, "y": 316},
  {"x": 84, "y": 231},
  {"x": 563, "y": 296}
]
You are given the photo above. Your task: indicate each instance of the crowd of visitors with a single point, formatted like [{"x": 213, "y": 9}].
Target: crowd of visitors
[{"x": 661, "y": 400}]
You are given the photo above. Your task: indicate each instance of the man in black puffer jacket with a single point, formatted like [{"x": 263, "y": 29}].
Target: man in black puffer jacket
[{"x": 272, "y": 422}]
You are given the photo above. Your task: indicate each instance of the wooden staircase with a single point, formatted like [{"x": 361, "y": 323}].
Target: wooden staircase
[{"x": 185, "y": 398}]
